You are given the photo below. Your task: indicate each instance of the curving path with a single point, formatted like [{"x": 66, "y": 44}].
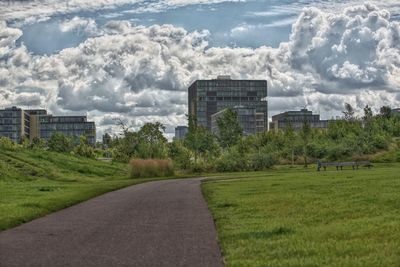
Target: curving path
[{"x": 163, "y": 223}]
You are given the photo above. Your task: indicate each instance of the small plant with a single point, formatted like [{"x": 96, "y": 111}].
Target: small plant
[
  {"x": 8, "y": 144},
  {"x": 144, "y": 168}
]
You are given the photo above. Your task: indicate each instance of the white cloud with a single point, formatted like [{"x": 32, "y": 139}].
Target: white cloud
[
  {"x": 80, "y": 26},
  {"x": 29, "y": 11},
  {"x": 143, "y": 72}
]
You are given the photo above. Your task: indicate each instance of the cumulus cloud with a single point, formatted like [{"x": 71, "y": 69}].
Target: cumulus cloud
[
  {"x": 142, "y": 73},
  {"x": 80, "y": 26}
]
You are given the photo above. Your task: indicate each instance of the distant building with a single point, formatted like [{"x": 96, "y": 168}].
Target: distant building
[
  {"x": 296, "y": 120},
  {"x": 14, "y": 124},
  {"x": 396, "y": 111},
  {"x": 18, "y": 124},
  {"x": 180, "y": 132},
  {"x": 106, "y": 140},
  {"x": 207, "y": 97},
  {"x": 250, "y": 120}
]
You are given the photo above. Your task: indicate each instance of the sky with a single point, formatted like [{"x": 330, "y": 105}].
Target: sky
[{"x": 134, "y": 59}]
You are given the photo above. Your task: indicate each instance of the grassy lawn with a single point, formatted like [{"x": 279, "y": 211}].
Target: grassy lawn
[
  {"x": 297, "y": 217},
  {"x": 35, "y": 183}
]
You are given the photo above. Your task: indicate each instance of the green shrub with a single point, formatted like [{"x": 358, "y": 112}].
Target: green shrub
[
  {"x": 83, "y": 149},
  {"x": 232, "y": 161},
  {"x": 262, "y": 161},
  {"x": 144, "y": 168},
  {"x": 201, "y": 167},
  {"x": 180, "y": 155},
  {"x": 8, "y": 144},
  {"x": 60, "y": 143}
]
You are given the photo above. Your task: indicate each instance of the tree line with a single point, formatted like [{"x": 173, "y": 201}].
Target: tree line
[
  {"x": 374, "y": 137},
  {"x": 371, "y": 136}
]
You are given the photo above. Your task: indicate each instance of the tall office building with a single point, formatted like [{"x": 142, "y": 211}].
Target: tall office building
[
  {"x": 249, "y": 120},
  {"x": 207, "y": 97},
  {"x": 296, "y": 120},
  {"x": 18, "y": 124}
]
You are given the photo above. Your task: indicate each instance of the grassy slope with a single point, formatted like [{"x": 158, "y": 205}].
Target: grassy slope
[
  {"x": 35, "y": 183},
  {"x": 307, "y": 218}
]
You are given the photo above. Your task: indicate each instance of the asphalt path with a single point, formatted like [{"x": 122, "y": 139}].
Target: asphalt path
[{"x": 162, "y": 223}]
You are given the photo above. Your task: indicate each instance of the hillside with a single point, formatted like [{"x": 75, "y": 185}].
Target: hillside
[{"x": 36, "y": 182}]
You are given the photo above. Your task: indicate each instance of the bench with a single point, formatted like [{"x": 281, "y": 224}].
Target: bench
[{"x": 340, "y": 165}]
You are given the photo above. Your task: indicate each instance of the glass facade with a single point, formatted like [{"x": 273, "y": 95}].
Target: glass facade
[
  {"x": 17, "y": 124},
  {"x": 67, "y": 125},
  {"x": 14, "y": 124},
  {"x": 207, "y": 97},
  {"x": 250, "y": 121},
  {"x": 180, "y": 132},
  {"x": 296, "y": 120}
]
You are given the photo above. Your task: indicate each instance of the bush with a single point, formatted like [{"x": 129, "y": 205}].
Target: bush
[
  {"x": 262, "y": 161},
  {"x": 83, "y": 149},
  {"x": 200, "y": 167},
  {"x": 8, "y": 144},
  {"x": 60, "y": 143},
  {"x": 232, "y": 161},
  {"x": 180, "y": 155},
  {"x": 144, "y": 168}
]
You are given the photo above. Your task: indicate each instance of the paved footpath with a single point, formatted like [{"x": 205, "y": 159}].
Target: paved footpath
[{"x": 163, "y": 223}]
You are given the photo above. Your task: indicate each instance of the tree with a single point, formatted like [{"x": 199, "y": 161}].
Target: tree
[
  {"x": 179, "y": 154},
  {"x": 60, "y": 143},
  {"x": 367, "y": 113},
  {"x": 84, "y": 149},
  {"x": 385, "y": 112},
  {"x": 199, "y": 140},
  {"x": 152, "y": 143},
  {"x": 229, "y": 130},
  {"x": 348, "y": 112},
  {"x": 305, "y": 135},
  {"x": 290, "y": 138}
]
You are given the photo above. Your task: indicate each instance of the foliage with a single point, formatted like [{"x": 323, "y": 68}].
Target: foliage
[
  {"x": 149, "y": 142},
  {"x": 232, "y": 160},
  {"x": 8, "y": 144},
  {"x": 200, "y": 141},
  {"x": 60, "y": 143},
  {"x": 262, "y": 161},
  {"x": 152, "y": 143},
  {"x": 180, "y": 155},
  {"x": 144, "y": 168},
  {"x": 84, "y": 149},
  {"x": 348, "y": 112},
  {"x": 229, "y": 130}
]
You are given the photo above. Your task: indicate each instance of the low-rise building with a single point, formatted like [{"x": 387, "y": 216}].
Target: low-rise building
[
  {"x": 18, "y": 124},
  {"x": 296, "y": 119},
  {"x": 249, "y": 119},
  {"x": 14, "y": 124}
]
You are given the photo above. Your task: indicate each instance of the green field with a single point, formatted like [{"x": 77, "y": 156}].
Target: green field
[
  {"x": 298, "y": 217},
  {"x": 36, "y": 182}
]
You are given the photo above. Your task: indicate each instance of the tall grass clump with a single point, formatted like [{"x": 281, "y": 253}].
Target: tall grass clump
[{"x": 144, "y": 168}]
